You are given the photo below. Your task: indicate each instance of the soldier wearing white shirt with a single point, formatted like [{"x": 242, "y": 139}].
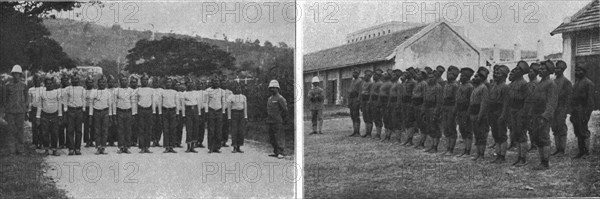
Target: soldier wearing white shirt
[
  {"x": 191, "y": 104},
  {"x": 76, "y": 100},
  {"x": 169, "y": 111},
  {"x": 102, "y": 100},
  {"x": 180, "y": 120},
  {"x": 113, "y": 84},
  {"x": 216, "y": 109},
  {"x": 203, "y": 100},
  {"x": 237, "y": 115},
  {"x": 146, "y": 108},
  {"x": 34, "y": 94},
  {"x": 133, "y": 84},
  {"x": 157, "y": 129},
  {"x": 62, "y": 128},
  {"x": 225, "y": 132},
  {"x": 88, "y": 125},
  {"x": 50, "y": 114},
  {"x": 124, "y": 103}
]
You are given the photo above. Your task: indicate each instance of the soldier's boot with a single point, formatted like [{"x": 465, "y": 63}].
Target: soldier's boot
[
  {"x": 434, "y": 147},
  {"x": 368, "y": 130},
  {"x": 377, "y": 133},
  {"x": 451, "y": 145},
  {"x": 388, "y": 135},
  {"x": 544, "y": 164},
  {"x": 399, "y": 133},
  {"x": 561, "y": 143},
  {"x": 467, "y": 150},
  {"x": 532, "y": 148},
  {"x": 523, "y": 155},
  {"x": 581, "y": 146},
  {"x": 500, "y": 153},
  {"x": 409, "y": 137},
  {"x": 520, "y": 155},
  {"x": 355, "y": 129},
  {"x": 480, "y": 152},
  {"x": 166, "y": 150},
  {"x": 512, "y": 146},
  {"x": 314, "y": 129}
]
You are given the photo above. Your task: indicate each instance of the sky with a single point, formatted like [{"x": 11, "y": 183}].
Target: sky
[
  {"x": 522, "y": 22},
  {"x": 272, "y": 21}
]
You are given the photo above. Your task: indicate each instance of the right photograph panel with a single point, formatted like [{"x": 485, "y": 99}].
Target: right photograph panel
[{"x": 426, "y": 99}]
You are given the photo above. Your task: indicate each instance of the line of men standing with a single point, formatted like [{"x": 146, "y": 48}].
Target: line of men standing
[
  {"x": 108, "y": 110},
  {"x": 422, "y": 102}
]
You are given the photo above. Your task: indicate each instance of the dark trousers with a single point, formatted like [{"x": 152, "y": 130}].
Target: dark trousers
[
  {"x": 215, "y": 123},
  {"x": 50, "y": 125},
  {"x": 517, "y": 122},
  {"x": 101, "y": 123},
  {"x": 541, "y": 131},
  {"x": 366, "y": 112},
  {"x": 559, "y": 122},
  {"x": 75, "y": 120},
  {"x": 480, "y": 130},
  {"x": 277, "y": 137},
  {"x": 113, "y": 129},
  {"x": 386, "y": 116},
  {"x": 580, "y": 118},
  {"x": 135, "y": 122},
  {"x": 238, "y": 127},
  {"x": 191, "y": 124},
  {"x": 17, "y": 138},
  {"x": 408, "y": 115},
  {"x": 169, "y": 124},
  {"x": 354, "y": 106},
  {"x": 225, "y": 131},
  {"x": 36, "y": 128},
  {"x": 179, "y": 122},
  {"x": 464, "y": 125},
  {"x": 449, "y": 122},
  {"x": 201, "y": 126},
  {"x": 88, "y": 129},
  {"x": 432, "y": 127},
  {"x": 62, "y": 131},
  {"x": 157, "y": 129},
  {"x": 499, "y": 131},
  {"x": 145, "y": 126},
  {"x": 376, "y": 109},
  {"x": 124, "y": 122}
]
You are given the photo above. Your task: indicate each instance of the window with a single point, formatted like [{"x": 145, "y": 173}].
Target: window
[{"x": 587, "y": 43}]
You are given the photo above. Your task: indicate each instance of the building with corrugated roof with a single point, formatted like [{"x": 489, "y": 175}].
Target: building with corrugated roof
[{"x": 409, "y": 45}]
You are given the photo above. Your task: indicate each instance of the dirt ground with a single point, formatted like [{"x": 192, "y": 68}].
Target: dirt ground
[
  {"x": 337, "y": 166},
  {"x": 181, "y": 175}
]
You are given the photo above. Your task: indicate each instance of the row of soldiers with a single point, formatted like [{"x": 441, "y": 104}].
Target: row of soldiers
[
  {"x": 422, "y": 102},
  {"x": 108, "y": 110}
]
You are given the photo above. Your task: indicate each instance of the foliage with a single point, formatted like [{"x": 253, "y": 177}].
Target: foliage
[
  {"x": 177, "y": 56},
  {"x": 24, "y": 39}
]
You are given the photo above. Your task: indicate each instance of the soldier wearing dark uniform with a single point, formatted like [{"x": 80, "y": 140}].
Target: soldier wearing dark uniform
[
  {"x": 476, "y": 114},
  {"x": 529, "y": 102},
  {"x": 384, "y": 95},
  {"x": 408, "y": 111},
  {"x": 354, "y": 101},
  {"x": 448, "y": 109},
  {"x": 365, "y": 95},
  {"x": 495, "y": 106},
  {"x": 395, "y": 108},
  {"x": 542, "y": 112},
  {"x": 582, "y": 104},
  {"x": 417, "y": 104},
  {"x": 316, "y": 95},
  {"x": 463, "y": 95},
  {"x": 277, "y": 112},
  {"x": 559, "y": 125},
  {"x": 516, "y": 115},
  {"x": 376, "y": 104},
  {"x": 432, "y": 102}
]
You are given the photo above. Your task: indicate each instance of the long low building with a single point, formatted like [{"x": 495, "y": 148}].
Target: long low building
[{"x": 431, "y": 45}]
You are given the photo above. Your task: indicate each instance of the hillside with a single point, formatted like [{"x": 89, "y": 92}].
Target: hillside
[{"x": 89, "y": 42}]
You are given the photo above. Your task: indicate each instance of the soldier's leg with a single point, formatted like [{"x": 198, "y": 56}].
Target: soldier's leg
[
  {"x": 201, "y": 128},
  {"x": 235, "y": 129},
  {"x": 450, "y": 129},
  {"x": 480, "y": 131},
  {"x": 366, "y": 111},
  {"x": 179, "y": 121},
  {"x": 466, "y": 133},
  {"x": 314, "y": 121},
  {"x": 166, "y": 127},
  {"x": 211, "y": 130},
  {"x": 224, "y": 130},
  {"x": 355, "y": 116},
  {"x": 378, "y": 119},
  {"x": 53, "y": 127},
  {"x": 320, "y": 121},
  {"x": 542, "y": 136},
  {"x": 559, "y": 130},
  {"x": 219, "y": 131}
]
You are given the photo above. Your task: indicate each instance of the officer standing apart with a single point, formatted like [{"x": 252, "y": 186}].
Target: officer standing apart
[
  {"x": 276, "y": 113},
  {"x": 583, "y": 104},
  {"x": 354, "y": 101},
  {"x": 316, "y": 95},
  {"x": 15, "y": 106}
]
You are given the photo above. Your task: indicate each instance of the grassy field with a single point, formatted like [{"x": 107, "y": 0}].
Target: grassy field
[
  {"x": 22, "y": 177},
  {"x": 257, "y": 131},
  {"x": 337, "y": 166}
]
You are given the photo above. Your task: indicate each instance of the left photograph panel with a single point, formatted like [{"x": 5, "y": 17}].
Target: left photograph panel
[{"x": 169, "y": 99}]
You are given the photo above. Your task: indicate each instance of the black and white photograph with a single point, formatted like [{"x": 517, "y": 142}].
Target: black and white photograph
[
  {"x": 156, "y": 99},
  {"x": 452, "y": 99}
]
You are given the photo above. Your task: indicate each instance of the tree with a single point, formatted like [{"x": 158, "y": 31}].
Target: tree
[
  {"x": 22, "y": 28},
  {"x": 283, "y": 45},
  {"x": 268, "y": 44},
  {"x": 109, "y": 67},
  {"x": 177, "y": 56},
  {"x": 256, "y": 43},
  {"x": 46, "y": 54}
]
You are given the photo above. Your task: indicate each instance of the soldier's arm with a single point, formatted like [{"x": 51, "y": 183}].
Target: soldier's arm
[
  {"x": 591, "y": 103},
  {"x": 552, "y": 101},
  {"x": 505, "y": 99},
  {"x": 245, "y": 107},
  {"x": 60, "y": 111},
  {"x": 153, "y": 103},
  {"x": 199, "y": 102},
  {"x": 283, "y": 106},
  {"x": 160, "y": 105},
  {"x": 133, "y": 99},
  {"x": 91, "y": 104},
  {"x": 484, "y": 93},
  {"x": 26, "y": 95},
  {"x": 229, "y": 104},
  {"x": 569, "y": 89},
  {"x": 39, "y": 110}
]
